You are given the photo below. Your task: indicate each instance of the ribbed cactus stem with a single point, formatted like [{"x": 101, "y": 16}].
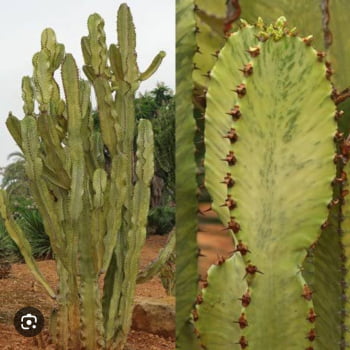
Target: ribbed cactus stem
[
  {"x": 123, "y": 287},
  {"x": 264, "y": 72},
  {"x": 186, "y": 221}
]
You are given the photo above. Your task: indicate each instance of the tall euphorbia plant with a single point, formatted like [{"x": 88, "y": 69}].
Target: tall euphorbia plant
[{"x": 93, "y": 199}]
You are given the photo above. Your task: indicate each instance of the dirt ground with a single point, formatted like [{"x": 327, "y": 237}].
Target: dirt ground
[
  {"x": 213, "y": 240},
  {"x": 21, "y": 290}
]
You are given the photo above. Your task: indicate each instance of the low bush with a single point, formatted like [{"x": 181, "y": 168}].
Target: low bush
[{"x": 161, "y": 220}]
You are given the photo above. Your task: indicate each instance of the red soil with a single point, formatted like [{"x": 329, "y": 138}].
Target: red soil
[{"x": 21, "y": 289}]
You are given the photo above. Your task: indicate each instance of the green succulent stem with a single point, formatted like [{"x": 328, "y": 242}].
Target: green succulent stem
[
  {"x": 186, "y": 227},
  {"x": 156, "y": 265},
  {"x": 258, "y": 98}
]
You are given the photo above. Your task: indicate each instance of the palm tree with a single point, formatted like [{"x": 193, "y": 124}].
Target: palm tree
[
  {"x": 162, "y": 94},
  {"x": 15, "y": 181},
  {"x": 16, "y": 184}
]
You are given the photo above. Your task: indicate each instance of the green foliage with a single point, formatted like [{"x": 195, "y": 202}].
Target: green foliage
[
  {"x": 15, "y": 181},
  {"x": 16, "y": 184},
  {"x": 8, "y": 249},
  {"x": 158, "y": 105},
  {"x": 145, "y": 106},
  {"x": 33, "y": 227},
  {"x": 161, "y": 220},
  {"x": 148, "y": 104},
  {"x": 164, "y": 137},
  {"x": 30, "y": 221}
]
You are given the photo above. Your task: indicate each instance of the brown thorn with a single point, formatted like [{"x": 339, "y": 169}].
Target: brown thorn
[
  {"x": 321, "y": 55},
  {"x": 339, "y": 136},
  {"x": 311, "y": 317},
  {"x": 242, "y": 321},
  {"x": 342, "y": 96},
  {"x": 251, "y": 270},
  {"x": 203, "y": 280},
  {"x": 338, "y": 114},
  {"x": 247, "y": 70},
  {"x": 240, "y": 90},
  {"x": 344, "y": 193},
  {"x": 333, "y": 203},
  {"x": 325, "y": 225},
  {"x": 243, "y": 342},
  {"x": 308, "y": 40},
  {"x": 220, "y": 260},
  {"x": 228, "y": 180},
  {"x": 311, "y": 334},
  {"x": 329, "y": 73},
  {"x": 254, "y": 51},
  {"x": 246, "y": 299},
  {"x": 337, "y": 157},
  {"x": 216, "y": 54},
  {"x": 207, "y": 75},
  {"x": 229, "y": 203},
  {"x": 199, "y": 299},
  {"x": 334, "y": 94},
  {"x": 230, "y": 158},
  {"x": 345, "y": 147},
  {"x": 307, "y": 292},
  {"x": 242, "y": 248},
  {"x": 341, "y": 179},
  {"x": 231, "y": 135},
  {"x": 233, "y": 225},
  {"x": 313, "y": 245},
  {"x": 235, "y": 112}
]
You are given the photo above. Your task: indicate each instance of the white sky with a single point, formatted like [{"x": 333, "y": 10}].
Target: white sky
[{"x": 21, "y": 24}]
